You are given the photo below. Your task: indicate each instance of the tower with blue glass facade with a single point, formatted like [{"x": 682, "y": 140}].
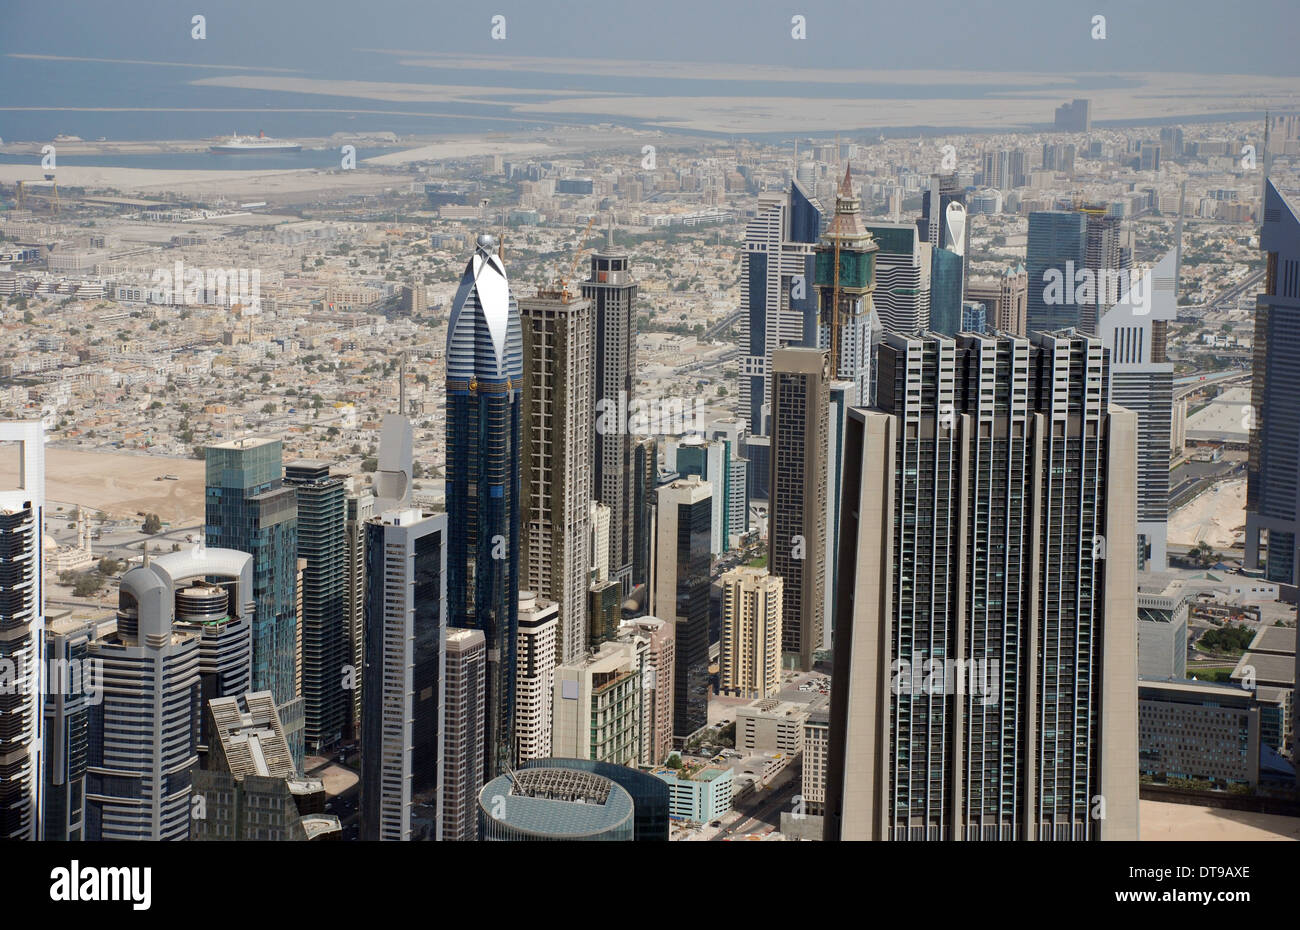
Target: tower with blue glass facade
[
  {"x": 484, "y": 391},
  {"x": 778, "y": 306},
  {"x": 248, "y": 507}
]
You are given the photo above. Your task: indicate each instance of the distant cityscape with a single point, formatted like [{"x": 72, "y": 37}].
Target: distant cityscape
[{"x": 611, "y": 482}]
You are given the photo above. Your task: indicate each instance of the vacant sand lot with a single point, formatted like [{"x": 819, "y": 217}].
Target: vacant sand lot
[
  {"x": 1160, "y": 820},
  {"x": 1213, "y": 517},
  {"x": 120, "y": 484}
]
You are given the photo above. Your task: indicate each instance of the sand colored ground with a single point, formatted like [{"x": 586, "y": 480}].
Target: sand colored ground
[
  {"x": 253, "y": 182},
  {"x": 120, "y": 484},
  {"x": 1213, "y": 517},
  {"x": 1185, "y": 822}
]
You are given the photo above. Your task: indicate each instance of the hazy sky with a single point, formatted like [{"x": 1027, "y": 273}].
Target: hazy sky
[{"x": 1208, "y": 36}]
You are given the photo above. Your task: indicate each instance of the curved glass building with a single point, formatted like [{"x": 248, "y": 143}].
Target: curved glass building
[
  {"x": 649, "y": 794},
  {"x": 554, "y": 803},
  {"x": 484, "y": 388}
]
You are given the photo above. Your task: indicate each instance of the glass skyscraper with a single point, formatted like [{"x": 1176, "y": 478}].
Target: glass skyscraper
[
  {"x": 249, "y": 508},
  {"x": 484, "y": 391},
  {"x": 1273, "y": 483},
  {"x": 322, "y": 543},
  {"x": 1055, "y": 238}
]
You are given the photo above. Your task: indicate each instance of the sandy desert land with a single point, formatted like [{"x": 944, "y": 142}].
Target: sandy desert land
[
  {"x": 1214, "y": 517},
  {"x": 120, "y": 484}
]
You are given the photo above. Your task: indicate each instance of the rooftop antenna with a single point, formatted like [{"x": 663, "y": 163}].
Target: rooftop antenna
[
  {"x": 1178, "y": 237},
  {"x": 401, "y": 384}
]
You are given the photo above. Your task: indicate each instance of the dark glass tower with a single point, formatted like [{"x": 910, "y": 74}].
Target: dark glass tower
[
  {"x": 484, "y": 388},
  {"x": 322, "y": 543},
  {"x": 1058, "y": 242},
  {"x": 1273, "y": 483}
]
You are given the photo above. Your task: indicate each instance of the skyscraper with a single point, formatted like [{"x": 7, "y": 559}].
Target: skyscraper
[
  {"x": 249, "y": 508},
  {"x": 645, "y": 465},
  {"x": 556, "y": 435},
  {"x": 1006, "y": 299},
  {"x": 710, "y": 460},
  {"x": 1135, "y": 331},
  {"x": 484, "y": 390},
  {"x": 986, "y": 649},
  {"x": 845, "y": 279},
  {"x": 1075, "y": 116},
  {"x": 403, "y": 682},
  {"x": 1057, "y": 251},
  {"x": 22, "y": 620},
  {"x": 360, "y": 508},
  {"x": 749, "y": 656},
  {"x": 902, "y": 293},
  {"x": 323, "y": 543},
  {"x": 1273, "y": 483},
  {"x": 777, "y": 302},
  {"x": 538, "y": 654},
  {"x": 679, "y": 593},
  {"x": 72, "y": 685},
  {"x": 157, "y": 665},
  {"x": 797, "y": 514},
  {"x": 612, "y": 292},
  {"x": 463, "y": 738}
]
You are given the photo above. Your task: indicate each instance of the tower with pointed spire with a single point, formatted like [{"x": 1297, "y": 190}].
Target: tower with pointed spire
[
  {"x": 844, "y": 277},
  {"x": 484, "y": 395}
]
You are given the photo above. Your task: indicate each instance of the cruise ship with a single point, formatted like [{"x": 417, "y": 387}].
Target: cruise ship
[{"x": 247, "y": 145}]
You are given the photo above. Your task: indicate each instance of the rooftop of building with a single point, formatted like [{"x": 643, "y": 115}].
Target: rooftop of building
[
  {"x": 1263, "y": 668},
  {"x": 1275, "y": 640},
  {"x": 556, "y": 802}
]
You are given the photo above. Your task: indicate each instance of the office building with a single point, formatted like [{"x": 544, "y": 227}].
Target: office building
[
  {"x": 250, "y": 789},
  {"x": 903, "y": 273},
  {"x": 655, "y": 647},
  {"x": 144, "y": 733},
  {"x": 22, "y": 619},
  {"x": 1075, "y": 116},
  {"x": 679, "y": 592},
  {"x": 1273, "y": 479},
  {"x": 974, "y": 317},
  {"x": 989, "y": 521},
  {"x": 556, "y": 435},
  {"x": 598, "y": 516},
  {"x": 645, "y": 484},
  {"x": 1135, "y": 331},
  {"x": 1056, "y": 253},
  {"x": 1162, "y": 610},
  {"x": 484, "y": 394},
  {"x": 946, "y": 271},
  {"x": 360, "y": 508},
  {"x": 698, "y": 795},
  {"x": 777, "y": 300},
  {"x": 1005, "y": 298},
  {"x": 649, "y": 794},
  {"x": 250, "y": 509},
  {"x": 844, "y": 276},
  {"x": 555, "y": 803},
  {"x": 72, "y": 684},
  {"x": 771, "y": 725},
  {"x": 403, "y": 681},
  {"x": 797, "y": 515},
  {"x": 596, "y": 706},
  {"x": 749, "y": 657},
  {"x": 538, "y": 655},
  {"x": 816, "y": 749},
  {"x": 463, "y": 744},
  {"x": 1198, "y": 730},
  {"x": 323, "y": 544},
  {"x": 612, "y": 293},
  {"x": 711, "y": 461}
]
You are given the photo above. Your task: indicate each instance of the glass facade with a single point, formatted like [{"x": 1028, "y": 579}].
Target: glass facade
[{"x": 691, "y": 670}]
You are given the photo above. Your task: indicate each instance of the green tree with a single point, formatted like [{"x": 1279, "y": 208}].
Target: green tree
[{"x": 152, "y": 524}]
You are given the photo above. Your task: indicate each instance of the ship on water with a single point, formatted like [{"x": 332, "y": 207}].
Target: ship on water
[{"x": 261, "y": 145}]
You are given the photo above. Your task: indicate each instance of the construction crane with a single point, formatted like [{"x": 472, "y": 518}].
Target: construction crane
[{"x": 562, "y": 290}]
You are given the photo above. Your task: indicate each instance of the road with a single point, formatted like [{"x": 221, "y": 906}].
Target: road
[{"x": 767, "y": 813}]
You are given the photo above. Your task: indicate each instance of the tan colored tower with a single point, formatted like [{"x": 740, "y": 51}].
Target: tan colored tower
[
  {"x": 750, "y": 652},
  {"x": 797, "y": 526},
  {"x": 986, "y": 618}
]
